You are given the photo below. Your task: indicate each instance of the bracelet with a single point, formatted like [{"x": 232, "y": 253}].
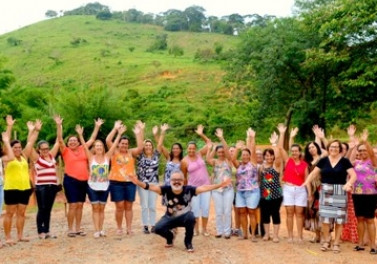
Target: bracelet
[{"x": 146, "y": 186}]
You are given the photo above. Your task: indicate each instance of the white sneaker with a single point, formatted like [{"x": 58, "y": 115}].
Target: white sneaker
[
  {"x": 97, "y": 234},
  {"x": 102, "y": 233}
]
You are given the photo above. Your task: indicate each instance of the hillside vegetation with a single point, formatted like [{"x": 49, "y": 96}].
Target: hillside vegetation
[{"x": 85, "y": 68}]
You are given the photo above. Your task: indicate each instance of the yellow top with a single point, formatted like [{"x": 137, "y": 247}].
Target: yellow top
[{"x": 17, "y": 175}]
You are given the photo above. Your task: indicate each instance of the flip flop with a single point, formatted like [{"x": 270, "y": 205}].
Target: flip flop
[
  {"x": 71, "y": 234},
  {"x": 23, "y": 240},
  {"x": 81, "y": 233}
]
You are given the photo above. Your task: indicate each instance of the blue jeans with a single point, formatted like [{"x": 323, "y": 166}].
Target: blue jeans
[
  {"x": 148, "y": 206},
  {"x": 223, "y": 209},
  {"x": 45, "y": 198}
]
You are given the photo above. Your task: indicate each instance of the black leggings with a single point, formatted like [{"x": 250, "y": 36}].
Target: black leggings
[
  {"x": 270, "y": 208},
  {"x": 45, "y": 198}
]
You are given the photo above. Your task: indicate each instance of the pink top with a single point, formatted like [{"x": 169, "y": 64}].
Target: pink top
[
  {"x": 295, "y": 174},
  {"x": 366, "y": 178},
  {"x": 76, "y": 163},
  {"x": 197, "y": 172}
]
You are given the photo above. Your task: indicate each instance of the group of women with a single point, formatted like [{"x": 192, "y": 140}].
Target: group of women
[{"x": 315, "y": 182}]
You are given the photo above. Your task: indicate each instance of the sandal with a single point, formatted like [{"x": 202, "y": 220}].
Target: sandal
[
  {"x": 336, "y": 249},
  {"x": 358, "y": 248},
  {"x": 275, "y": 240},
  {"x": 325, "y": 246},
  {"x": 373, "y": 251},
  {"x": 266, "y": 238},
  {"x": 81, "y": 233},
  {"x": 71, "y": 234}
]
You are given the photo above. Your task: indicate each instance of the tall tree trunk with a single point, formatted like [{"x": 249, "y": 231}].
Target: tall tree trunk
[{"x": 287, "y": 122}]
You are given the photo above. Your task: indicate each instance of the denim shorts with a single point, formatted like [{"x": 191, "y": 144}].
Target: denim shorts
[
  {"x": 75, "y": 190},
  {"x": 122, "y": 191},
  {"x": 249, "y": 199},
  {"x": 96, "y": 197}
]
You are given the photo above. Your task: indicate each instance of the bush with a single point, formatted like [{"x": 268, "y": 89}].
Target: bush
[
  {"x": 131, "y": 49},
  {"x": 160, "y": 43},
  {"x": 204, "y": 55},
  {"x": 176, "y": 51},
  {"x": 104, "y": 15},
  {"x": 13, "y": 41}
]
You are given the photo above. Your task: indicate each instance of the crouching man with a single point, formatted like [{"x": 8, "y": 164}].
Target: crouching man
[{"x": 177, "y": 198}]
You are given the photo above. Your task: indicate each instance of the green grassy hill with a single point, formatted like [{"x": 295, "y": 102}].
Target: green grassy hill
[{"x": 83, "y": 68}]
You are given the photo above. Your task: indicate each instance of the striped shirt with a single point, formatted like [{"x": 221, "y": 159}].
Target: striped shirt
[{"x": 45, "y": 171}]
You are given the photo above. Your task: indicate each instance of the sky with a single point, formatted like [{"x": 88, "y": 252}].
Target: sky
[{"x": 15, "y": 14}]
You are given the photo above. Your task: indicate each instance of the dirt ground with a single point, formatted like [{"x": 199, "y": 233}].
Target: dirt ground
[{"x": 141, "y": 248}]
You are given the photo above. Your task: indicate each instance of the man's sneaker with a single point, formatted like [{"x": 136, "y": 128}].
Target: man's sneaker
[
  {"x": 190, "y": 248},
  {"x": 146, "y": 230}
]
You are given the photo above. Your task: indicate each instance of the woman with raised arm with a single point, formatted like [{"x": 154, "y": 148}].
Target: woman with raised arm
[
  {"x": 122, "y": 190},
  {"x": 349, "y": 232},
  {"x": 46, "y": 183},
  {"x": 173, "y": 158},
  {"x": 5, "y": 157},
  {"x": 365, "y": 194},
  {"x": 333, "y": 170},
  {"x": 147, "y": 171},
  {"x": 17, "y": 184},
  {"x": 195, "y": 170},
  {"x": 271, "y": 191},
  {"x": 247, "y": 182},
  {"x": 76, "y": 175},
  {"x": 313, "y": 153},
  {"x": 295, "y": 196},
  {"x": 222, "y": 197},
  {"x": 98, "y": 183}
]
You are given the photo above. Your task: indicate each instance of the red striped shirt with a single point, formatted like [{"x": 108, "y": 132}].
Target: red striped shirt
[{"x": 45, "y": 171}]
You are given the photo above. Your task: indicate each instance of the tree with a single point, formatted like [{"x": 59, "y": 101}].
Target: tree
[
  {"x": 104, "y": 15},
  {"x": 51, "y": 13},
  {"x": 175, "y": 20},
  {"x": 88, "y": 9},
  {"x": 133, "y": 15},
  {"x": 195, "y": 18}
]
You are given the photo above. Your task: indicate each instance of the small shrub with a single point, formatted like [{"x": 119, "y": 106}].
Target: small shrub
[
  {"x": 176, "y": 51},
  {"x": 160, "y": 43},
  {"x": 131, "y": 49},
  {"x": 13, "y": 41}
]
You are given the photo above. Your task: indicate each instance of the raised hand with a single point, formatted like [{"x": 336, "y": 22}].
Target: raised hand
[
  {"x": 294, "y": 132},
  {"x": 122, "y": 129},
  {"x": 164, "y": 127},
  {"x": 321, "y": 133},
  {"x": 199, "y": 130},
  {"x": 79, "y": 129},
  {"x": 10, "y": 121},
  {"x": 136, "y": 129},
  {"x": 281, "y": 128},
  {"x": 365, "y": 134},
  {"x": 240, "y": 144},
  {"x": 99, "y": 122},
  {"x": 140, "y": 124},
  {"x": 209, "y": 145},
  {"x": 274, "y": 138},
  {"x": 117, "y": 124},
  {"x": 38, "y": 124},
  {"x": 30, "y": 125},
  {"x": 155, "y": 130},
  {"x": 250, "y": 132},
  {"x": 351, "y": 130},
  {"x": 58, "y": 120},
  {"x": 219, "y": 133}
]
